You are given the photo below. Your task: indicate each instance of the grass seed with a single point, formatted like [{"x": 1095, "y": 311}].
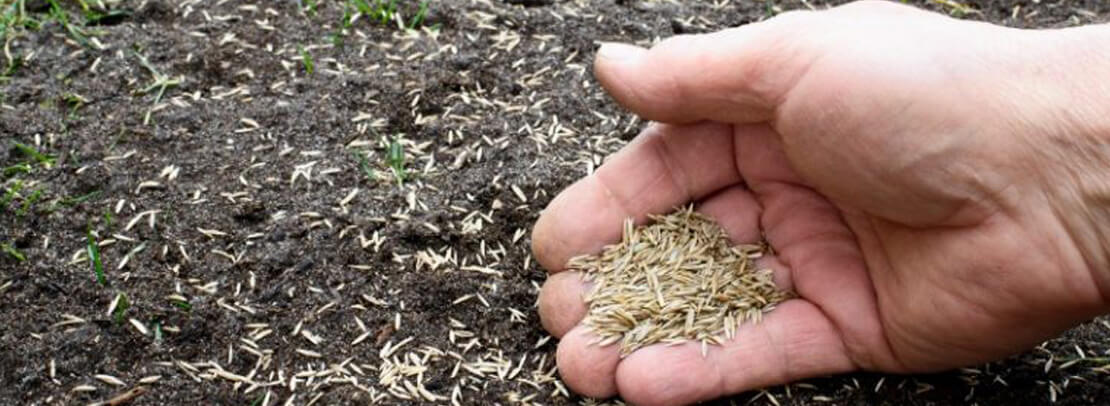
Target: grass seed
[{"x": 677, "y": 279}]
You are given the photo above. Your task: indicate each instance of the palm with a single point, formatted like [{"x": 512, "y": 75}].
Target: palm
[
  {"x": 709, "y": 163},
  {"x": 895, "y": 292},
  {"x": 874, "y": 293}
]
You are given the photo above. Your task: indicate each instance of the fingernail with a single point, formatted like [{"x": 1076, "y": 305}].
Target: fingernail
[{"x": 619, "y": 52}]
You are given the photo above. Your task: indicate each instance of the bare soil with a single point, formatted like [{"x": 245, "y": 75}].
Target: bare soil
[{"x": 266, "y": 263}]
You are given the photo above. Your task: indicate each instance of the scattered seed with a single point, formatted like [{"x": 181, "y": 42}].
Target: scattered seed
[
  {"x": 140, "y": 327},
  {"x": 108, "y": 379}
]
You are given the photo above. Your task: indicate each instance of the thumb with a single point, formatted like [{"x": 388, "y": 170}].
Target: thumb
[{"x": 739, "y": 75}]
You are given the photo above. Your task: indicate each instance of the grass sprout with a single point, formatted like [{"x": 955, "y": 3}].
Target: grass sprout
[
  {"x": 14, "y": 16},
  {"x": 74, "y": 201},
  {"x": 16, "y": 169},
  {"x": 382, "y": 11},
  {"x": 364, "y": 165},
  {"x": 29, "y": 202},
  {"x": 421, "y": 14},
  {"x": 10, "y": 194},
  {"x": 94, "y": 16},
  {"x": 395, "y": 159},
  {"x": 306, "y": 60},
  {"x": 345, "y": 23},
  {"x": 309, "y": 7},
  {"x": 31, "y": 152},
  {"x": 122, "y": 304},
  {"x": 75, "y": 101},
  {"x": 56, "y": 13},
  {"x": 161, "y": 83},
  {"x": 14, "y": 62},
  {"x": 12, "y": 252},
  {"x": 182, "y": 304},
  {"x": 93, "y": 250},
  {"x": 13, "y": 65}
]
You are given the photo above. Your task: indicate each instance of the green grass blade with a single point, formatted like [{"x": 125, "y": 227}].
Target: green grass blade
[
  {"x": 10, "y": 195},
  {"x": 73, "y": 201},
  {"x": 121, "y": 308},
  {"x": 34, "y": 154},
  {"x": 29, "y": 202},
  {"x": 306, "y": 59},
  {"x": 17, "y": 169},
  {"x": 363, "y": 7},
  {"x": 364, "y": 164},
  {"x": 94, "y": 257},
  {"x": 396, "y": 160},
  {"x": 11, "y": 251},
  {"x": 418, "y": 19},
  {"x": 183, "y": 305}
]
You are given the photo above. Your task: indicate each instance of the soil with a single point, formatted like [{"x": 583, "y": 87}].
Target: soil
[{"x": 266, "y": 248}]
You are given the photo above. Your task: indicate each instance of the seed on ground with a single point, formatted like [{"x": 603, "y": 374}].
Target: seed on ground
[{"x": 678, "y": 279}]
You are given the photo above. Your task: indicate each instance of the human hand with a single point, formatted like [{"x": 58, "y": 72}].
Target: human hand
[{"x": 933, "y": 190}]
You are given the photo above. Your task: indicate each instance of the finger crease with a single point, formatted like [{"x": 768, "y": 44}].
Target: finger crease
[
  {"x": 675, "y": 173},
  {"x": 613, "y": 197}
]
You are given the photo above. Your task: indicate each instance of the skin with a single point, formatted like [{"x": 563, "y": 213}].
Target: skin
[{"x": 934, "y": 191}]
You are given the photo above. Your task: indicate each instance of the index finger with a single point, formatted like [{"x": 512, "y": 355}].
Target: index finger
[{"x": 664, "y": 167}]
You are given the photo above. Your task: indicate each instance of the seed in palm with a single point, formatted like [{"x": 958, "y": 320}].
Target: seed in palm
[{"x": 675, "y": 280}]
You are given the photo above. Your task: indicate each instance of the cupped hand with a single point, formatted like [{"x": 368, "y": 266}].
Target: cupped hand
[{"x": 905, "y": 167}]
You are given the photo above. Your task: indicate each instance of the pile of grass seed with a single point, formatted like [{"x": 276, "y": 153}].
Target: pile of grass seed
[{"x": 675, "y": 280}]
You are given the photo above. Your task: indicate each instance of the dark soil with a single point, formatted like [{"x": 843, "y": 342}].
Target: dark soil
[{"x": 230, "y": 222}]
